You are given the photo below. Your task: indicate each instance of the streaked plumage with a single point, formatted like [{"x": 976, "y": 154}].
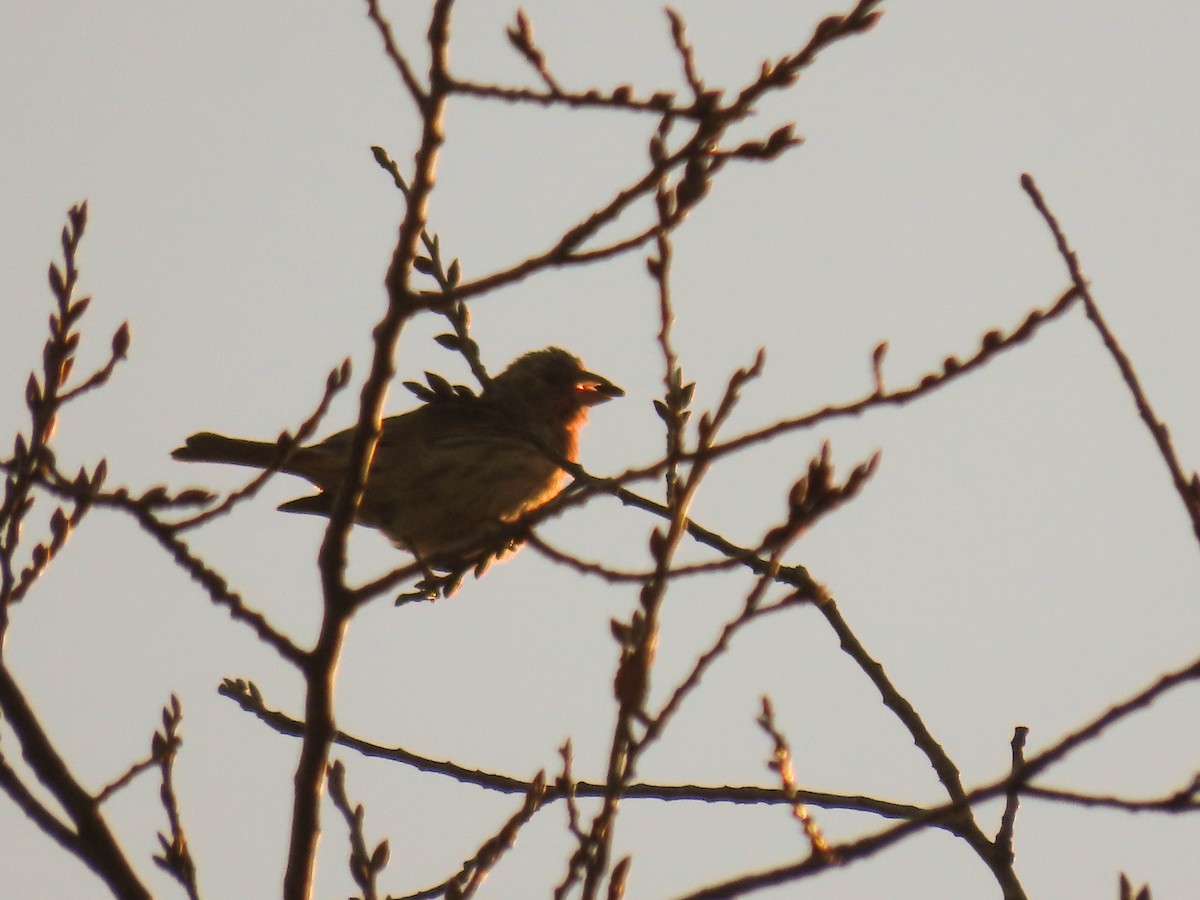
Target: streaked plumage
[{"x": 447, "y": 472}]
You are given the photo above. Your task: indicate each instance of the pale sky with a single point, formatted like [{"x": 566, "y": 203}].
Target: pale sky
[{"x": 1020, "y": 558}]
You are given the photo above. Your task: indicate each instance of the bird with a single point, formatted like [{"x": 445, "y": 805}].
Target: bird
[{"x": 447, "y": 476}]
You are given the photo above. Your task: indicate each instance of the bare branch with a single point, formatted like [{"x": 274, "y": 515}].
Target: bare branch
[
  {"x": 474, "y": 871},
  {"x": 94, "y": 842},
  {"x": 953, "y": 811},
  {"x": 176, "y": 857},
  {"x": 520, "y": 36},
  {"x": 419, "y": 96},
  {"x": 1188, "y": 488},
  {"x": 19, "y": 793},
  {"x": 246, "y": 695},
  {"x": 781, "y": 763},
  {"x": 322, "y": 661},
  {"x": 1185, "y": 800},
  {"x": 364, "y": 866},
  {"x": 1004, "y": 837}
]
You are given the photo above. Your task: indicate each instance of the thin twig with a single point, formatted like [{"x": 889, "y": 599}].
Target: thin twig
[
  {"x": 699, "y": 156},
  {"x": 781, "y": 763},
  {"x": 447, "y": 277},
  {"x": 1008, "y": 820},
  {"x": 1182, "y": 801},
  {"x": 613, "y": 575},
  {"x": 474, "y": 871},
  {"x": 1187, "y": 488},
  {"x": 246, "y": 696},
  {"x": 994, "y": 343},
  {"x": 520, "y": 36},
  {"x": 176, "y": 857},
  {"x": 418, "y": 94},
  {"x": 953, "y": 811},
  {"x": 364, "y": 866}
]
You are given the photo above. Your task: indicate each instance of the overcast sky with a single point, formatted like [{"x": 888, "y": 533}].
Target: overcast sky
[{"x": 1020, "y": 558}]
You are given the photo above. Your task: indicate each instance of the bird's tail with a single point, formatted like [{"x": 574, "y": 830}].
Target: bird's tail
[{"x": 209, "y": 447}]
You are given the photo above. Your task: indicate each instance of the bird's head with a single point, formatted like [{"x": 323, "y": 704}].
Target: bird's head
[{"x": 551, "y": 384}]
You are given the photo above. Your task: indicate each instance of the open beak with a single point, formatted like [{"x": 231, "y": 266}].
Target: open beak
[{"x": 594, "y": 389}]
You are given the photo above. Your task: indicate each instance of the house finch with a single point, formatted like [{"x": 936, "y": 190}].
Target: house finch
[{"x": 446, "y": 474}]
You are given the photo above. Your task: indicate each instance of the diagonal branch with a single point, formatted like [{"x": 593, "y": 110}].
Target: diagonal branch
[
  {"x": 418, "y": 94},
  {"x": 94, "y": 843},
  {"x": 1187, "y": 488},
  {"x": 25, "y": 801}
]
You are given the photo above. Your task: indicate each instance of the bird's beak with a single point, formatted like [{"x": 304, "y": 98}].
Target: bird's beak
[{"x": 595, "y": 389}]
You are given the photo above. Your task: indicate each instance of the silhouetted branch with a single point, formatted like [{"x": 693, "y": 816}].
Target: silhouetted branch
[
  {"x": 92, "y": 841},
  {"x": 474, "y": 871},
  {"x": 781, "y": 763},
  {"x": 1004, "y": 837},
  {"x": 88, "y": 836},
  {"x": 247, "y": 695},
  {"x": 1182, "y": 801},
  {"x": 419, "y": 96},
  {"x": 1188, "y": 488},
  {"x": 364, "y": 867},
  {"x": 176, "y": 857},
  {"x": 952, "y": 812},
  {"x": 322, "y": 661}
]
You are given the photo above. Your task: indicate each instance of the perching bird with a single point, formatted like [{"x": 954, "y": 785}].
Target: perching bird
[{"x": 447, "y": 473}]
